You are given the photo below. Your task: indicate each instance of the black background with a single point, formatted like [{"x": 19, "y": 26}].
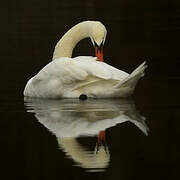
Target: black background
[{"x": 137, "y": 31}]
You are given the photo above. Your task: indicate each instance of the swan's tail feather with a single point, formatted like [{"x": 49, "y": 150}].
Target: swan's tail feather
[
  {"x": 140, "y": 69},
  {"x": 129, "y": 83}
]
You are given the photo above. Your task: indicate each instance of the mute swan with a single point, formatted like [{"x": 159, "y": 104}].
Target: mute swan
[
  {"x": 67, "y": 77},
  {"x": 69, "y": 119}
]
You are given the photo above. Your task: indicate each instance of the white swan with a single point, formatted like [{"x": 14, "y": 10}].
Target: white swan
[{"x": 67, "y": 77}]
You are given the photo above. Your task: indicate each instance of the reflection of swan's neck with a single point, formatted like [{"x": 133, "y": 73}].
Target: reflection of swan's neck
[
  {"x": 66, "y": 44},
  {"x": 84, "y": 158}
]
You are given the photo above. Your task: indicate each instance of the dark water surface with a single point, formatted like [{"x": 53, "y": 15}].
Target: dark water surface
[
  {"x": 130, "y": 139},
  {"x": 54, "y": 139}
]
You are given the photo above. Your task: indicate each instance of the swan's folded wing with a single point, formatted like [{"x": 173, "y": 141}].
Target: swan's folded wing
[
  {"x": 63, "y": 70},
  {"x": 64, "y": 74},
  {"x": 69, "y": 70}
]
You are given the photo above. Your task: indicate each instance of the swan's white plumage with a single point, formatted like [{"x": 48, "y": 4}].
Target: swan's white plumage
[{"x": 71, "y": 77}]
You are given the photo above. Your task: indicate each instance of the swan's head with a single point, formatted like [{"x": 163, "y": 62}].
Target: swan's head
[{"x": 98, "y": 36}]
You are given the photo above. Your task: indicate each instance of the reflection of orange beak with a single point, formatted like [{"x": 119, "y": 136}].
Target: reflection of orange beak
[
  {"x": 99, "y": 53},
  {"x": 101, "y": 141},
  {"x": 102, "y": 137}
]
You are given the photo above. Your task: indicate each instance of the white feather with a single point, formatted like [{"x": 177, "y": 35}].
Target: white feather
[{"x": 71, "y": 77}]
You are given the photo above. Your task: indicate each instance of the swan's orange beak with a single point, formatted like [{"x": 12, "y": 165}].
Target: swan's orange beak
[{"x": 99, "y": 53}]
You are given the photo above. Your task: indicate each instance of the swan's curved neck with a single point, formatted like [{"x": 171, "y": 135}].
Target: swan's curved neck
[{"x": 65, "y": 46}]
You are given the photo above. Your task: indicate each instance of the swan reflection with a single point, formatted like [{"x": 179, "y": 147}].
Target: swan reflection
[{"x": 69, "y": 119}]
